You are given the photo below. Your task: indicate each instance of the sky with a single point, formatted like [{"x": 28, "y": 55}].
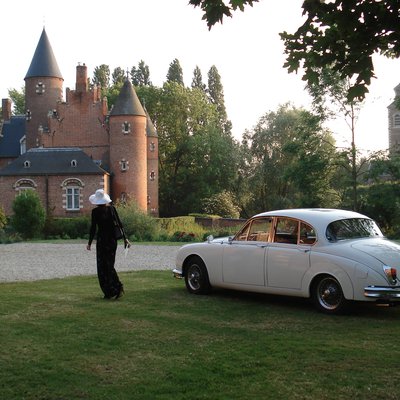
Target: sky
[{"x": 246, "y": 50}]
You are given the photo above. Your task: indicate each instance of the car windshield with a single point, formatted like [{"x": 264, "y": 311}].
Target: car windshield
[{"x": 352, "y": 228}]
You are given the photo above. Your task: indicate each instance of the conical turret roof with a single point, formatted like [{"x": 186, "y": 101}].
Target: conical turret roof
[
  {"x": 44, "y": 63},
  {"x": 127, "y": 102},
  {"x": 150, "y": 128}
]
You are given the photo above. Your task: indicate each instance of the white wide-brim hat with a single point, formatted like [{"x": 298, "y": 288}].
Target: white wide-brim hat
[{"x": 100, "y": 197}]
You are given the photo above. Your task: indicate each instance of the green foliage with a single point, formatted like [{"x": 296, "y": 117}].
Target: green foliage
[
  {"x": 18, "y": 100},
  {"x": 3, "y": 218},
  {"x": 141, "y": 75},
  {"x": 181, "y": 229},
  {"x": 101, "y": 76},
  {"x": 223, "y": 204},
  {"x": 216, "y": 10},
  {"x": 29, "y": 215},
  {"x": 288, "y": 161},
  {"x": 344, "y": 34},
  {"x": 175, "y": 73},
  {"x": 118, "y": 76},
  {"x": 137, "y": 224},
  {"x": 67, "y": 228},
  {"x": 197, "y": 81}
]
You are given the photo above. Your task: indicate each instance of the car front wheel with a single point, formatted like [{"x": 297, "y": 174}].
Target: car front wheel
[
  {"x": 328, "y": 295},
  {"x": 196, "y": 277}
]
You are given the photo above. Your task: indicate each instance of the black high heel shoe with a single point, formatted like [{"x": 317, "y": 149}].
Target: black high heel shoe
[{"x": 120, "y": 293}]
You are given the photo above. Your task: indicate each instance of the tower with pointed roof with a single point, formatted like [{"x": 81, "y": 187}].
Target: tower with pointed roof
[
  {"x": 43, "y": 90},
  {"x": 128, "y": 147}
]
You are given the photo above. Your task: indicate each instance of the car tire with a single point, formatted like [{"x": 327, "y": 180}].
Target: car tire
[
  {"x": 196, "y": 277},
  {"x": 327, "y": 295}
]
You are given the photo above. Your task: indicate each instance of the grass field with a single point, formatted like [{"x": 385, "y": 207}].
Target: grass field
[{"x": 61, "y": 341}]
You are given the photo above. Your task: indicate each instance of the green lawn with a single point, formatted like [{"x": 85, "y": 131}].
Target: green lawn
[{"x": 61, "y": 341}]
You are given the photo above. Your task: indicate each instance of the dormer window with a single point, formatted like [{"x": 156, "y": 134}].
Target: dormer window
[
  {"x": 74, "y": 163},
  {"x": 152, "y": 146},
  {"x": 40, "y": 88},
  {"x": 126, "y": 128},
  {"x": 396, "y": 120},
  {"x": 27, "y": 164}
]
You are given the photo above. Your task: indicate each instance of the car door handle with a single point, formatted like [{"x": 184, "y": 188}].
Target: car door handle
[{"x": 261, "y": 245}]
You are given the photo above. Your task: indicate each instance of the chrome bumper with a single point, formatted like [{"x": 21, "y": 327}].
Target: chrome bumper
[
  {"x": 382, "y": 292},
  {"x": 177, "y": 273}
]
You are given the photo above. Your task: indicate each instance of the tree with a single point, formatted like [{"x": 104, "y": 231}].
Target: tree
[
  {"x": 29, "y": 215},
  {"x": 101, "y": 76},
  {"x": 18, "y": 100},
  {"x": 289, "y": 161},
  {"x": 342, "y": 33},
  {"x": 197, "y": 81},
  {"x": 215, "y": 10},
  {"x": 194, "y": 154},
  {"x": 330, "y": 100},
  {"x": 222, "y": 204},
  {"x": 118, "y": 76},
  {"x": 216, "y": 95},
  {"x": 141, "y": 75},
  {"x": 175, "y": 73}
]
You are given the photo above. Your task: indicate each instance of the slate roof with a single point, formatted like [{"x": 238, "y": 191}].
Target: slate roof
[
  {"x": 127, "y": 102},
  {"x": 12, "y": 132},
  {"x": 43, "y": 62},
  {"x": 52, "y": 161},
  {"x": 150, "y": 129}
]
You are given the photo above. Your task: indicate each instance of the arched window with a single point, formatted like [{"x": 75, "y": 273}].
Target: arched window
[
  {"x": 24, "y": 184},
  {"x": 72, "y": 194}
]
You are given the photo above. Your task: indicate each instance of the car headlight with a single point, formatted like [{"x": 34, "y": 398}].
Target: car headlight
[{"x": 391, "y": 274}]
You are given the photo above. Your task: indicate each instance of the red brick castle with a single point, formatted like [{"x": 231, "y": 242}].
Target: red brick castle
[{"x": 66, "y": 149}]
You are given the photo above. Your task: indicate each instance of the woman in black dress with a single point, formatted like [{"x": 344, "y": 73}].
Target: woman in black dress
[{"x": 106, "y": 243}]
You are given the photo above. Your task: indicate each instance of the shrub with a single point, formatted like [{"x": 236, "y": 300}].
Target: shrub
[
  {"x": 67, "y": 228},
  {"x": 137, "y": 224},
  {"x": 3, "y": 218},
  {"x": 29, "y": 215},
  {"x": 222, "y": 204}
]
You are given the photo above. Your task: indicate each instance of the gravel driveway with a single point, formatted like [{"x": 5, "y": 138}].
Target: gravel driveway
[{"x": 34, "y": 261}]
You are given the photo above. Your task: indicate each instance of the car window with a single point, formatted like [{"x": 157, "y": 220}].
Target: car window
[
  {"x": 352, "y": 228},
  {"x": 307, "y": 234},
  {"x": 286, "y": 230},
  {"x": 256, "y": 230}
]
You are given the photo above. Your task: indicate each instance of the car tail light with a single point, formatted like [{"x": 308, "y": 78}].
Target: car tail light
[{"x": 391, "y": 274}]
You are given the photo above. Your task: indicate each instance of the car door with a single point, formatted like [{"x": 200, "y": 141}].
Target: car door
[
  {"x": 244, "y": 258},
  {"x": 289, "y": 253}
]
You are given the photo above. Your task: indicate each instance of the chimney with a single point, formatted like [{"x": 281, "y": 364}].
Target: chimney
[
  {"x": 81, "y": 79},
  {"x": 6, "y": 109}
]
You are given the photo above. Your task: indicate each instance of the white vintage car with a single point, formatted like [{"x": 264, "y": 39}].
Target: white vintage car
[{"x": 332, "y": 256}]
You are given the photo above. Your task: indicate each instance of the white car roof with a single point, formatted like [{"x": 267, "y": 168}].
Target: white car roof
[{"x": 317, "y": 217}]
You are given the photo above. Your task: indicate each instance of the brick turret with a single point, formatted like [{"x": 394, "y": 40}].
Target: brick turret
[
  {"x": 128, "y": 145},
  {"x": 43, "y": 89}
]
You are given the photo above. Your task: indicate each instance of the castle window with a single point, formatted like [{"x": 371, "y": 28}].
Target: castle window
[
  {"x": 396, "y": 120},
  {"x": 152, "y": 146},
  {"x": 27, "y": 164},
  {"x": 74, "y": 163},
  {"x": 24, "y": 184},
  {"x": 28, "y": 115},
  {"x": 124, "y": 165},
  {"x": 126, "y": 128},
  {"x": 72, "y": 194},
  {"x": 123, "y": 198},
  {"x": 152, "y": 175},
  {"x": 40, "y": 88}
]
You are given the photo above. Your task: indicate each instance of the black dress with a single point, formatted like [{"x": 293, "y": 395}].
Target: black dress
[{"x": 106, "y": 247}]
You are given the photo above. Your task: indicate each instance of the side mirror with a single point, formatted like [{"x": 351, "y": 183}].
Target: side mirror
[
  {"x": 230, "y": 239},
  {"x": 210, "y": 238}
]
